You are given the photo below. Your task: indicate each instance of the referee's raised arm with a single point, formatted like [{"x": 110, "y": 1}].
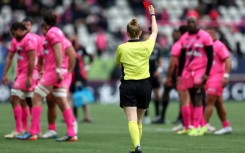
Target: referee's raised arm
[{"x": 153, "y": 23}]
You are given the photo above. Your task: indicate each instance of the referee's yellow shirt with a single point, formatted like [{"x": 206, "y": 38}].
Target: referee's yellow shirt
[{"x": 134, "y": 58}]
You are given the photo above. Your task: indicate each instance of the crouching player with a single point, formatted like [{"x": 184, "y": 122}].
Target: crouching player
[
  {"x": 217, "y": 80},
  {"x": 25, "y": 45},
  {"x": 52, "y": 80}
]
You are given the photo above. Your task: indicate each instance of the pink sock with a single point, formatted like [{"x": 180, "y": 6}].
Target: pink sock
[
  {"x": 36, "y": 114},
  {"x": 25, "y": 114},
  {"x": 186, "y": 114},
  {"x": 69, "y": 118},
  {"x": 225, "y": 123},
  {"x": 18, "y": 118},
  {"x": 198, "y": 115},
  {"x": 52, "y": 127}
]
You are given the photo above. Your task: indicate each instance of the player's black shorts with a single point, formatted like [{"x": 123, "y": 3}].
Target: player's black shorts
[
  {"x": 155, "y": 83},
  {"x": 135, "y": 93}
]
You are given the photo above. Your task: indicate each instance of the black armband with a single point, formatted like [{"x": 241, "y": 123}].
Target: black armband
[
  {"x": 181, "y": 61},
  {"x": 210, "y": 56}
]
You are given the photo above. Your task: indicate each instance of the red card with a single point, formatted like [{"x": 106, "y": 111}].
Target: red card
[{"x": 146, "y": 5}]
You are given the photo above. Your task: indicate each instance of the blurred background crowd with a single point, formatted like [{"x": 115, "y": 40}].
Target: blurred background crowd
[{"x": 100, "y": 25}]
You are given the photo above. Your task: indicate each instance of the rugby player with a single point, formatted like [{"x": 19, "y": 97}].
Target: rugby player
[
  {"x": 195, "y": 62},
  {"x": 24, "y": 44},
  {"x": 218, "y": 79}
]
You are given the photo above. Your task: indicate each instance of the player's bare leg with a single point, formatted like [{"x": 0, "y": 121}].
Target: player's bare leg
[
  {"x": 86, "y": 113},
  {"x": 61, "y": 100},
  {"x": 52, "y": 115},
  {"x": 223, "y": 117},
  {"x": 210, "y": 102}
]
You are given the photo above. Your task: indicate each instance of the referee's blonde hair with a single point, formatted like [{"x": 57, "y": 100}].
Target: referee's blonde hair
[{"x": 133, "y": 29}]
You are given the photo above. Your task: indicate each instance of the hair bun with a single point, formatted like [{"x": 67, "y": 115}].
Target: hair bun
[
  {"x": 134, "y": 22},
  {"x": 133, "y": 29}
]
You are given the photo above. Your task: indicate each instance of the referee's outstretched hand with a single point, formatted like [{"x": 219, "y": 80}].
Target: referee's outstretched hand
[
  {"x": 151, "y": 9},
  {"x": 154, "y": 29}
]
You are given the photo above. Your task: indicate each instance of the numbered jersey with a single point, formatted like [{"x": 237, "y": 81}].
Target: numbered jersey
[{"x": 194, "y": 44}]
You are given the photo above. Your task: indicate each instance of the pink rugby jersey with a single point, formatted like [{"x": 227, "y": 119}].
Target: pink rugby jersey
[
  {"x": 40, "y": 49},
  {"x": 26, "y": 44},
  {"x": 13, "y": 49},
  {"x": 40, "y": 40},
  {"x": 53, "y": 36},
  {"x": 13, "y": 45},
  {"x": 194, "y": 44},
  {"x": 220, "y": 54},
  {"x": 176, "y": 49}
]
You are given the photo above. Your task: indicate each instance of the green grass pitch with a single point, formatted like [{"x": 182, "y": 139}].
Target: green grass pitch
[{"x": 109, "y": 134}]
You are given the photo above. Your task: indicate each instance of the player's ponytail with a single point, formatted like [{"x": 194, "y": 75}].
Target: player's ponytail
[{"x": 133, "y": 29}]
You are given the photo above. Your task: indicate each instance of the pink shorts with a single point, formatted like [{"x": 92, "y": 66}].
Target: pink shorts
[
  {"x": 49, "y": 78},
  {"x": 20, "y": 81},
  {"x": 214, "y": 85},
  {"x": 66, "y": 82},
  {"x": 190, "y": 78}
]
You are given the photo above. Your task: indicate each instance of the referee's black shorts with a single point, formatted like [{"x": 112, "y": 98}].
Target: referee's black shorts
[{"x": 135, "y": 93}]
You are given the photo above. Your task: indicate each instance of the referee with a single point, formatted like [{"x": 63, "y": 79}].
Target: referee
[{"x": 135, "y": 89}]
